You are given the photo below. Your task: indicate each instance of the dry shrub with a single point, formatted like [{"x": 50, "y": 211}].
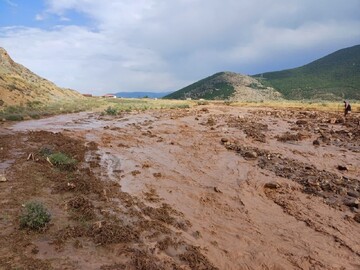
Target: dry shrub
[
  {"x": 142, "y": 260},
  {"x": 82, "y": 181},
  {"x": 111, "y": 233},
  {"x": 116, "y": 266},
  {"x": 287, "y": 136},
  {"x": 162, "y": 214},
  {"x": 102, "y": 233},
  {"x": 166, "y": 243},
  {"x": 69, "y": 232},
  {"x": 27, "y": 263},
  {"x": 82, "y": 208},
  {"x": 196, "y": 260}
]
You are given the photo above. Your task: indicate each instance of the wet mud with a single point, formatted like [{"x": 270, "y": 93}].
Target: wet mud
[{"x": 212, "y": 187}]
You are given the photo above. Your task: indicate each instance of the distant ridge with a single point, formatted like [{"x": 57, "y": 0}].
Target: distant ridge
[
  {"x": 18, "y": 85},
  {"x": 141, "y": 94},
  {"x": 227, "y": 86},
  {"x": 333, "y": 77}
]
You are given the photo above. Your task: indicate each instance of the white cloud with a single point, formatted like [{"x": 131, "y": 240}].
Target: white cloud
[
  {"x": 164, "y": 45},
  {"x": 39, "y": 17}
]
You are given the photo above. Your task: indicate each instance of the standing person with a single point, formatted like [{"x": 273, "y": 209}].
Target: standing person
[{"x": 347, "y": 108}]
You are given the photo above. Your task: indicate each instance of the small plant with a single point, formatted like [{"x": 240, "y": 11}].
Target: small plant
[
  {"x": 45, "y": 151},
  {"x": 202, "y": 102},
  {"x": 35, "y": 216},
  {"x": 14, "y": 117},
  {"x": 62, "y": 161},
  {"x": 227, "y": 103},
  {"x": 111, "y": 111}
]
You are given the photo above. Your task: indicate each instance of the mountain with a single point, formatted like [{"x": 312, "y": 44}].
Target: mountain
[
  {"x": 229, "y": 86},
  {"x": 335, "y": 76},
  {"x": 18, "y": 85},
  {"x": 141, "y": 94}
]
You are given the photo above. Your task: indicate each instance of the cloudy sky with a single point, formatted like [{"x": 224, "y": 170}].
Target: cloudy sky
[{"x": 163, "y": 45}]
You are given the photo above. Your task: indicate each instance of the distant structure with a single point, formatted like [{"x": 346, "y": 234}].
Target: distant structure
[
  {"x": 87, "y": 95},
  {"x": 109, "y": 96}
]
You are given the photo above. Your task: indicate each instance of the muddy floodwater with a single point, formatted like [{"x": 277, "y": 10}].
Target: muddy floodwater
[{"x": 211, "y": 187}]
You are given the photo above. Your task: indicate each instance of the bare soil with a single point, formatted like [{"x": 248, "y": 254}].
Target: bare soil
[{"x": 212, "y": 187}]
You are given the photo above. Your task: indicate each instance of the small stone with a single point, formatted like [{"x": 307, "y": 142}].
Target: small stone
[
  {"x": 157, "y": 175},
  {"x": 353, "y": 194},
  {"x": 224, "y": 140},
  {"x": 301, "y": 122},
  {"x": 357, "y": 217},
  {"x": 316, "y": 142},
  {"x": 272, "y": 185},
  {"x": 250, "y": 155},
  {"x": 2, "y": 178},
  {"x": 341, "y": 168},
  {"x": 332, "y": 120},
  {"x": 216, "y": 189},
  {"x": 352, "y": 202}
]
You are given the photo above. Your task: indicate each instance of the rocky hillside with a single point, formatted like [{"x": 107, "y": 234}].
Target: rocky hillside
[
  {"x": 333, "y": 77},
  {"x": 18, "y": 85},
  {"x": 227, "y": 86}
]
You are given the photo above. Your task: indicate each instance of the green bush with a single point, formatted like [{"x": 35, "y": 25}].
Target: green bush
[
  {"x": 111, "y": 111},
  {"x": 35, "y": 216},
  {"x": 62, "y": 161},
  {"x": 14, "y": 117}
]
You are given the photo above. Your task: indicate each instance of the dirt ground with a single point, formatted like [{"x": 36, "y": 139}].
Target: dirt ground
[{"x": 211, "y": 187}]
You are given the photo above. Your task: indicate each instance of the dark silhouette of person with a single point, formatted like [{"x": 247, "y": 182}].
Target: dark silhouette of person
[{"x": 347, "y": 108}]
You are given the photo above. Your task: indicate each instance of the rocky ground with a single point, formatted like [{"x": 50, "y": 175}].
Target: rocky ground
[{"x": 212, "y": 187}]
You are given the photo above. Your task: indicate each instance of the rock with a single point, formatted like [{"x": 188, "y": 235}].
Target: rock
[
  {"x": 301, "y": 122},
  {"x": 353, "y": 194},
  {"x": 2, "y": 178},
  {"x": 224, "y": 140},
  {"x": 342, "y": 168},
  {"x": 332, "y": 120},
  {"x": 340, "y": 120},
  {"x": 325, "y": 139},
  {"x": 351, "y": 202},
  {"x": 157, "y": 175},
  {"x": 357, "y": 217},
  {"x": 316, "y": 142},
  {"x": 272, "y": 185},
  {"x": 217, "y": 190},
  {"x": 250, "y": 155}
]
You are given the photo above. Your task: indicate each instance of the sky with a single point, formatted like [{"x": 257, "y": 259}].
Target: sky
[{"x": 112, "y": 46}]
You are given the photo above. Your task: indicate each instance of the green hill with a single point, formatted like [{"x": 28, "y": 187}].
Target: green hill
[
  {"x": 226, "y": 85},
  {"x": 335, "y": 76}
]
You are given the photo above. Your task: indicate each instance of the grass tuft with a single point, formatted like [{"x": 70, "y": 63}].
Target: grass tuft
[
  {"x": 35, "y": 216},
  {"x": 62, "y": 161}
]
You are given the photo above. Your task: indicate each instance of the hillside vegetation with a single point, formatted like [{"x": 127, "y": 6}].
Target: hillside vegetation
[
  {"x": 333, "y": 77},
  {"x": 229, "y": 86},
  {"x": 18, "y": 85}
]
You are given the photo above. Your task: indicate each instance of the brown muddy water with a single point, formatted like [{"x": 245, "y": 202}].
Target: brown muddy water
[{"x": 255, "y": 188}]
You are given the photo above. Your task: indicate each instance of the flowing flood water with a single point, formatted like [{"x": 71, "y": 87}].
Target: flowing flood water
[{"x": 256, "y": 188}]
